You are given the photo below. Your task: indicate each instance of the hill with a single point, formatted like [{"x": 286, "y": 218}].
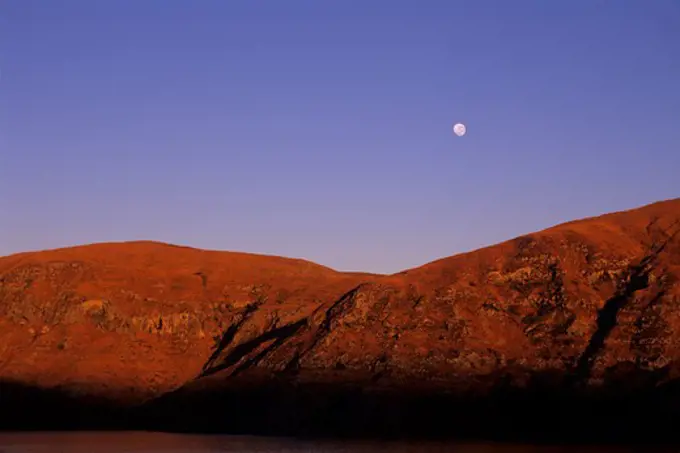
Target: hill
[
  {"x": 137, "y": 318},
  {"x": 575, "y": 324}
]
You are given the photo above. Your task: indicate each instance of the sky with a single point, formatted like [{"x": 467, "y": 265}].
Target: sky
[{"x": 323, "y": 129}]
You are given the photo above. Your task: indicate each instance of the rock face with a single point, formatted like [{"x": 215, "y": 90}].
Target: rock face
[{"x": 578, "y": 325}]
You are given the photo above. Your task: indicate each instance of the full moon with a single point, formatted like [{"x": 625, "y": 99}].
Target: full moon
[{"x": 459, "y": 129}]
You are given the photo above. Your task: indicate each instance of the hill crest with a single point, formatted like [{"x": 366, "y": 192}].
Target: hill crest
[{"x": 588, "y": 225}]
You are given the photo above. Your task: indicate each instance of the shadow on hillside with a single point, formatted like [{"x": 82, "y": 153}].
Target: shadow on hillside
[
  {"x": 545, "y": 413},
  {"x": 28, "y": 408}
]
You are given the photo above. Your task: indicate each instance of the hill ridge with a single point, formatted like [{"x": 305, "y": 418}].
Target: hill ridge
[{"x": 154, "y": 243}]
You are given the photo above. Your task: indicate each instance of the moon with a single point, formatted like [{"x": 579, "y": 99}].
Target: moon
[{"x": 459, "y": 129}]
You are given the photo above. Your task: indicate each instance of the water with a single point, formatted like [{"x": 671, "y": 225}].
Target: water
[{"x": 140, "y": 442}]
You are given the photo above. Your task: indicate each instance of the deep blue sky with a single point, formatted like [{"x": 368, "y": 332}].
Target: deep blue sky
[{"x": 322, "y": 129}]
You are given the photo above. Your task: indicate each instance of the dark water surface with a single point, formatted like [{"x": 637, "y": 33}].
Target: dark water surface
[{"x": 141, "y": 442}]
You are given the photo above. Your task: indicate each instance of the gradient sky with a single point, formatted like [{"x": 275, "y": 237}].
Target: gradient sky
[{"x": 321, "y": 129}]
